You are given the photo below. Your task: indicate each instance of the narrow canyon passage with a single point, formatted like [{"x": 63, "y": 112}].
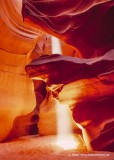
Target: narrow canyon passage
[{"x": 56, "y": 79}]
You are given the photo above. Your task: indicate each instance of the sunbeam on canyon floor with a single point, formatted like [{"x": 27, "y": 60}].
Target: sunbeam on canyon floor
[{"x": 41, "y": 148}]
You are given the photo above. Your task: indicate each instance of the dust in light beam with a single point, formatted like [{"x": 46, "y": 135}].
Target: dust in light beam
[{"x": 65, "y": 137}]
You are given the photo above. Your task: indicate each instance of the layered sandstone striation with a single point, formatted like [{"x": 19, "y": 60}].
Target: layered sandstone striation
[
  {"x": 85, "y": 25},
  {"x": 82, "y": 78},
  {"x": 20, "y": 43},
  {"x": 86, "y": 85}
]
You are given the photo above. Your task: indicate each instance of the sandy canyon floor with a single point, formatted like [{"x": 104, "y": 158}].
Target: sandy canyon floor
[{"x": 41, "y": 148}]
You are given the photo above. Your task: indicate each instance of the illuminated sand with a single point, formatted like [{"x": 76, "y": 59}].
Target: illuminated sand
[{"x": 40, "y": 148}]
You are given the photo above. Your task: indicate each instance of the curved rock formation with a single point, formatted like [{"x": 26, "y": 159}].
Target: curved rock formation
[
  {"x": 85, "y": 25},
  {"x": 17, "y": 41},
  {"x": 20, "y": 43},
  {"x": 85, "y": 85}
]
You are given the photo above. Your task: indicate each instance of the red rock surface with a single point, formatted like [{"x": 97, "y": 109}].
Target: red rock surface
[
  {"x": 85, "y": 25},
  {"x": 20, "y": 43},
  {"x": 87, "y": 85}
]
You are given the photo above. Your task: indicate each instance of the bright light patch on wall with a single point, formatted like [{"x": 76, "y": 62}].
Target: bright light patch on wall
[{"x": 56, "y": 46}]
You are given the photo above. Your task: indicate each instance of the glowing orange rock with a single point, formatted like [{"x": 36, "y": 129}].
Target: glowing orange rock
[
  {"x": 85, "y": 25},
  {"x": 86, "y": 85}
]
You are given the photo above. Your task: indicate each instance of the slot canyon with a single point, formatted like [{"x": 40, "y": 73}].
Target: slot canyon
[{"x": 56, "y": 79}]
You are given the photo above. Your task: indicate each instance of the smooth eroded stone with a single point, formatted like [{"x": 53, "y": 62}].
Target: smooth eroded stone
[
  {"x": 87, "y": 86},
  {"x": 86, "y": 25}
]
